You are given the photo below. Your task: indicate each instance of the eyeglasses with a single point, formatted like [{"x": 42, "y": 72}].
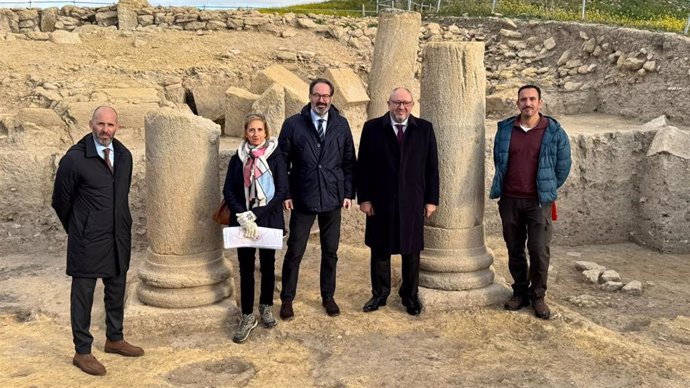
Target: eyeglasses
[
  {"x": 406, "y": 104},
  {"x": 318, "y": 96}
]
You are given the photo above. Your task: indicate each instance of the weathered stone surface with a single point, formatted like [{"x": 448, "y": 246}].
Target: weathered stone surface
[
  {"x": 453, "y": 98},
  {"x": 238, "y": 103},
  {"x": 664, "y": 219},
  {"x": 272, "y": 104},
  {"x": 396, "y": 42},
  {"x": 589, "y": 46},
  {"x": 349, "y": 88},
  {"x": 658, "y": 122},
  {"x": 306, "y": 23},
  {"x": 633, "y": 288},
  {"x": 210, "y": 100},
  {"x": 48, "y": 19},
  {"x": 184, "y": 265},
  {"x": 37, "y": 35},
  {"x": 586, "y": 265},
  {"x": 296, "y": 90},
  {"x": 609, "y": 275},
  {"x": 669, "y": 140},
  {"x": 592, "y": 275},
  {"x": 510, "y": 34},
  {"x": 64, "y": 37},
  {"x": 563, "y": 58},
  {"x": 105, "y": 19},
  {"x": 550, "y": 43},
  {"x": 611, "y": 286},
  {"x": 41, "y": 117},
  {"x": 631, "y": 63},
  {"x": 127, "y": 13}
]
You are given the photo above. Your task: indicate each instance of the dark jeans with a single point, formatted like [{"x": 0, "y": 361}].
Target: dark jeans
[
  {"x": 267, "y": 260},
  {"x": 81, "y": 301},
  {"x": 329, "y": 233},
  {"x": 525, "y": 221},
  {"x": 381, "y": 275}
]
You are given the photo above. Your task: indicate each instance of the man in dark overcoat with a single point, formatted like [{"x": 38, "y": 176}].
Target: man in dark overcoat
[
  {"x": 397, "y": 188},
  {"x": 91, "y": 199}
]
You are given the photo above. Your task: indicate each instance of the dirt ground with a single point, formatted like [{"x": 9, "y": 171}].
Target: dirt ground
[
  {"x": 594, "y": 339},
  {"x": 612, "y": 340}
]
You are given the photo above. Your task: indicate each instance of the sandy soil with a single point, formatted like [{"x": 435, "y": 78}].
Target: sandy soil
[{"x": 620, "y": 340}]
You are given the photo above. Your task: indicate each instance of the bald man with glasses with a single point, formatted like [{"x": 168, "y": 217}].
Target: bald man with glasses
[{"x": 397, "y": 188}]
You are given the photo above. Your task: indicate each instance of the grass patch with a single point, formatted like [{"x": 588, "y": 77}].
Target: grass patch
[{"x": 666, "y": 15}]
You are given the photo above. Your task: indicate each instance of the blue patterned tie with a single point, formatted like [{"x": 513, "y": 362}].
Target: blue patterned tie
[{"x": 322, "y": 133}]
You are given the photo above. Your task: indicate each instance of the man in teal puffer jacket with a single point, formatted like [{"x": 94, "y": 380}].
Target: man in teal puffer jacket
[{"x": 532, "y": 159}]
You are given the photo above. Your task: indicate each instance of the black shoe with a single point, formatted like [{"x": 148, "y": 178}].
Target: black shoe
[
  {"x": 414, "y": 306},
  {"x": 374, "y": 303},
  {"x": 332, "y": 308},
  {"x": 286, "y": 312}
]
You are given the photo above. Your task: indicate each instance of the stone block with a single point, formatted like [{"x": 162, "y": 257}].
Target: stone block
[
  {"x": 210, "y": 100},
  {"x": 611, "y": 286},
  {"x": 272, "y": 105},
  {"x": 64, "y": 37},
  {"x": 296, "y": 90},
  {"x": 349, "y": 88},
  {"x": 609, "y": 275},
  {"x": 633, "y": 288},
  {"x": 591, "y": 275},
  {"x": 238, "y": 102},
  {"x": 48, "y": 19},
  {"x": 41, "y": 117}
]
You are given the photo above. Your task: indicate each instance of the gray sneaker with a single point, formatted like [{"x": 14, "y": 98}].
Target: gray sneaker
[
  {"x": 267, "y": 316},
  {"x": 247, "y": 323}
]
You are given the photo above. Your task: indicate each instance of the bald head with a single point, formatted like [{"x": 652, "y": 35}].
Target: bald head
[{"x": 104, "y": 124}]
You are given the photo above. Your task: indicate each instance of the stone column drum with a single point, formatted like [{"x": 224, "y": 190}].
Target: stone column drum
[
  {"x": 184, "y": 265},
  {"x": 456, "y": 260},
  {"x": 395, "y": 56}
]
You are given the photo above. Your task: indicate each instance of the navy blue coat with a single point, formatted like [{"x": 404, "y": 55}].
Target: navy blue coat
[
  {"x": 269, "y": 216},
  {"x": 321, "y": 175},
  {"x": 554, "y": 159},
  {"x": 398, "y": 184},
  {"x": 93, "y": 205}
]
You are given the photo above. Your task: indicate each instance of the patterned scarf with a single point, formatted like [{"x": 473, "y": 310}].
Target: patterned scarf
[{"x": 259, "y": 187}]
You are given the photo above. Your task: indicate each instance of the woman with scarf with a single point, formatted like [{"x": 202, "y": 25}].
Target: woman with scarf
[{"x": 255, "y": 186}]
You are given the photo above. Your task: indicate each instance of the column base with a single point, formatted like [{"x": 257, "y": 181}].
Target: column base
[
  {"x": 143, "y": 320},
  {"x": 439, "y": 300}
]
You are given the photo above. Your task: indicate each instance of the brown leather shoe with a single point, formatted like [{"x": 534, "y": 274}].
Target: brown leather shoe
[
  {"x": 123, "y": 348},
  {"x": 332, "y": 308},
  {"x": 286, "y": 312},
  {"x": 541, "y": 309},
  {"x": 88, "y": 363},
  {"x": 516, "y": 303}
]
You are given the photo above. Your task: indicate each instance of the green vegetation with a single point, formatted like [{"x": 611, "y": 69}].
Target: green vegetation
[{"x": 667, "y": 15}]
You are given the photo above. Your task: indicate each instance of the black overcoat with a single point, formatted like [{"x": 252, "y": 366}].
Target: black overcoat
[
  {"x": 321, "y": 175},
  {"x": 269, "y": 216},
  {"x": 93, "y": 206},
  {"x": 398, "y": 181}
]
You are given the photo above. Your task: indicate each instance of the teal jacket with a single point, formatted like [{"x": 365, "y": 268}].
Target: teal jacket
[{"x": 554, "y": 159}]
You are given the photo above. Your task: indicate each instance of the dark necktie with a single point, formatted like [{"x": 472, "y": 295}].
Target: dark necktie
[
  {"x": 106, "y": 151},
  {"x": 322, "y": 134},
  {"x": 400, "y": 133}
]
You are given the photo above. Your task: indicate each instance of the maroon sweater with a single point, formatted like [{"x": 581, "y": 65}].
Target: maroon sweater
[{"x": 523, "y": 160}]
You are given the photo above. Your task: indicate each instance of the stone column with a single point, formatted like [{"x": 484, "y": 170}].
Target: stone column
[
  {"x": 184, "y": 265},
  {"x": 456, "y": 264},
  {"x": 395, "y": 56}
]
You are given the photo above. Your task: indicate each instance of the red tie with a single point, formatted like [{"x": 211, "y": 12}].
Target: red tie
[
  {"x": 106, "y": 151},
  {"x": 400, "y": 133}
]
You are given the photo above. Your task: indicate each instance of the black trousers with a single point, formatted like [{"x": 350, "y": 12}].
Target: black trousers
[
  {"x": 525, "y": 221},
  {"x": 300, "y": 225},
  {"x": 381, "y": 275},
  {"x": 267, "y": 260},
  {"x": 81, "y": 302}
]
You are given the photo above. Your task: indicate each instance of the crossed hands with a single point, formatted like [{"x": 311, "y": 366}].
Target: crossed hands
[
  {"x": 247, "y": 221},
  {"x": 367, "y": 208}
]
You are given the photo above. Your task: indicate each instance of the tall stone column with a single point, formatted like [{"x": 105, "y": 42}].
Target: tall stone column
[
  {"x": 395, "y": 56},
  {"x": 456, "y": 264},
  {"x": 184, "y": 265}
]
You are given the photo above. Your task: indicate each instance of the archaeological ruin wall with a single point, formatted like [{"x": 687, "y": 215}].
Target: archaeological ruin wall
[{"x": 617, "y": 190}]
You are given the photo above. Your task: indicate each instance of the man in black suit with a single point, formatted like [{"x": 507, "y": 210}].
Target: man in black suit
[
  {"x": 91, "y": 198},
  {"x": 397, "y": 188}
]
